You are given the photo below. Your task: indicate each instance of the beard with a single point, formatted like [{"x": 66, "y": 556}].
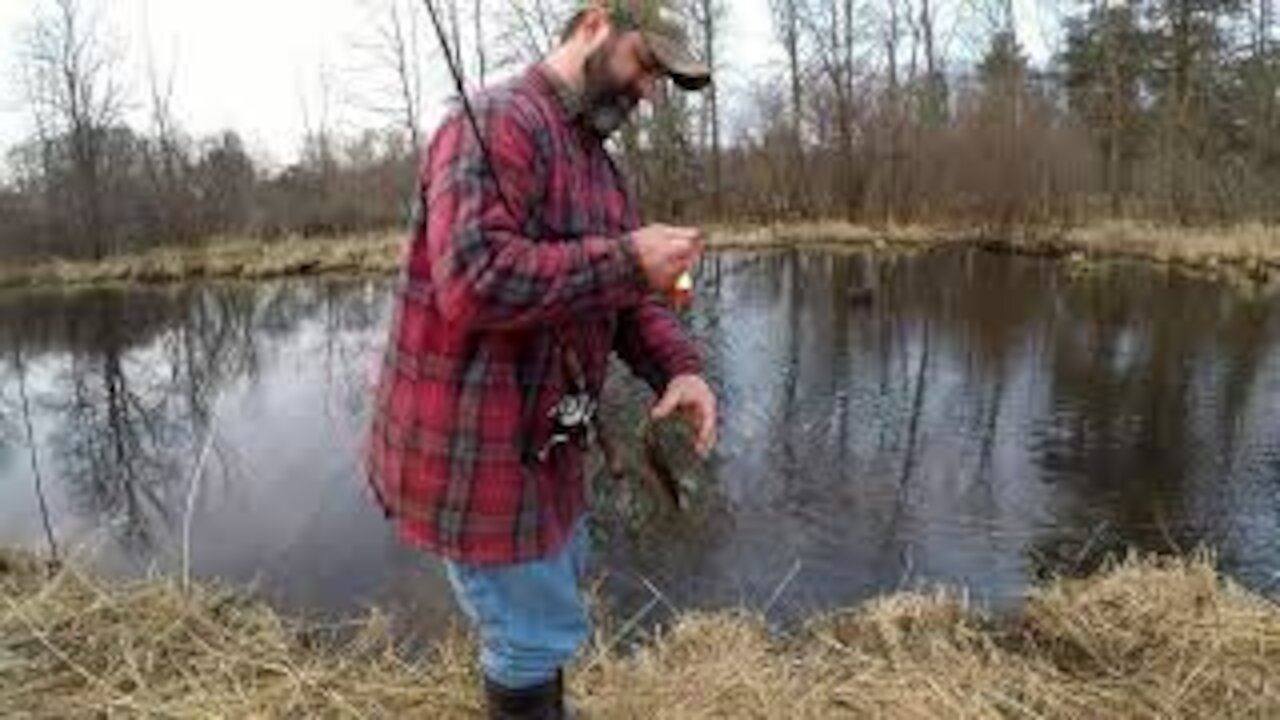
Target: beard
[{"x": 607, "y": 103}]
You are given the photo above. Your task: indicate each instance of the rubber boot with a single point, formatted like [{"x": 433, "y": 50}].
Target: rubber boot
[{"x": 541, "y": 702}]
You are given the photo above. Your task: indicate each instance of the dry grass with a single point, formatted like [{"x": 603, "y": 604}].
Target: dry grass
[
  {"x": 1250, "y": 241},
  {"x": 73, "y": 648},
  {"x": 231, "y": 259},
  {"x": 1148, "y": 639},
  {"x": 826, "y": 234},
  {"x": 1250, "y": 252},
  {"x": 1243, "y": 253}
]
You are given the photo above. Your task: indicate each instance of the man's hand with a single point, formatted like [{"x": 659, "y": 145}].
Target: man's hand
[
  {"x": 665, "y": 252},
  {"x": 692, "y": 397}
]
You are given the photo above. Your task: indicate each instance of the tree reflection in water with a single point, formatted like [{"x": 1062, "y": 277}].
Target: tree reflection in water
[{"x": 976, "y": 420}]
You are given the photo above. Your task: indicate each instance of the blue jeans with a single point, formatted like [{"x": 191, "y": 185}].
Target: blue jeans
[{"x": 530, "y": 617}]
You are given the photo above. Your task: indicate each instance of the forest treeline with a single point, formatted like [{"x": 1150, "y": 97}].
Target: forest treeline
[{"x": 877, "y": 112}]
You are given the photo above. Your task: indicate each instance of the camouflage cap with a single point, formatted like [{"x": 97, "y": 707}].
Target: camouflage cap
[{"x": 664, "y": 31}]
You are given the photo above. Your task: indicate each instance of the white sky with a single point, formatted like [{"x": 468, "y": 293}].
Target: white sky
[{"x": 255, "y": 65}]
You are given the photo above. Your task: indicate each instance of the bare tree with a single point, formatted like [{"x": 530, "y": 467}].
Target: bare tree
[
  {"x": 165, "y": 157},
  {"x": 72, "y": 85},
  {"x": 893, "y": 109},
  {"x": 532, "y": 28},
  {"x": 830, "y": 27},
  {"x": 1266, "y": 26},
  {"x": 935, "y": 89},
  {"x": 1115, "y": 111},
  {"x": 787, "y": 19},
  {"x": 395, "y": 50},
  {"x": 708, "y": 15}
]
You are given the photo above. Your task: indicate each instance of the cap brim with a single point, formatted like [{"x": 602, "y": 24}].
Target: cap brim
[{"x": 685, "y": 70}]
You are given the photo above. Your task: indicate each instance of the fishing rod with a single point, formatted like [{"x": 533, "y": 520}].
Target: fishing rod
[
  {"x": 655, "y": 470},
  {"x": 456, "y": 73}
]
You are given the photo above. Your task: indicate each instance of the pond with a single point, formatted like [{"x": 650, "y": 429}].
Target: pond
[{"x": 889, "y": 422}]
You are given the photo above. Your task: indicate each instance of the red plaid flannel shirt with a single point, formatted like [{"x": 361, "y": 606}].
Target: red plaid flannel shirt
[{"x": 490, "y": 296}]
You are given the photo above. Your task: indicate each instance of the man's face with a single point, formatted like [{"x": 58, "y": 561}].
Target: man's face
[{"x": 619, "y": 73}]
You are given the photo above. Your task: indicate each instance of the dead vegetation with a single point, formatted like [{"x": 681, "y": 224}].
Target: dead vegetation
[
  {"x": 237, "y": 259},
  {"x": 1244, "y": 252},
  {"x": 1245, "y": 255},
  {"x": 1151, "y": 638}
]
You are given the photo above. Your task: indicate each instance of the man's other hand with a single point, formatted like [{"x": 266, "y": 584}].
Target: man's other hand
[
  {"x": 693, "y": 398},
  {"x": 665, "y": 252}
]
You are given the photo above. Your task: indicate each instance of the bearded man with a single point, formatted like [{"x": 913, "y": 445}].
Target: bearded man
[{"x": 528, "y": 269}]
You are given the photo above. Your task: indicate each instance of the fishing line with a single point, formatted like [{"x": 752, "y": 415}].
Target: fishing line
[{"x": 456, "y": 74}]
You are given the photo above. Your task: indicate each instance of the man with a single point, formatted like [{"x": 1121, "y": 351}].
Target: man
[{"x": 526, "y": 271}]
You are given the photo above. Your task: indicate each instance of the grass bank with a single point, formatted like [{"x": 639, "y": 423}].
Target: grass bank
[
  {"x": 1241, "y": 253},
  {"x": 238, "y": 259},
  {"x": 1246, "y": 252},
  {"x": 1146, "y": 639}
]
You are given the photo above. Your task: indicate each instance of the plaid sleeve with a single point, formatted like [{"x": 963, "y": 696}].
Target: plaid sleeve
[
  {"x": 653, "y": 343},
  {"x": 485, "y": 269}
]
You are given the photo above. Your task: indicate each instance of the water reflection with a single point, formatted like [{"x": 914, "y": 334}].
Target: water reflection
[{"x": 888, "y": 421}]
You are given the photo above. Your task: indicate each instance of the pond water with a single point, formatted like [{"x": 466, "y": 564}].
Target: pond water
[{"x": 888, "y": 422}]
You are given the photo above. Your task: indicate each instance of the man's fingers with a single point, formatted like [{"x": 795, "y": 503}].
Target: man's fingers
[
  {"x": 691, "y": 238},
  {"x": 697, "y": 404},
  {"x": 706, "y": 429},
  {"x": 689, "y": 254},
  {"x": 705, "y": 439},
  {"x": 667, "y": 405}
]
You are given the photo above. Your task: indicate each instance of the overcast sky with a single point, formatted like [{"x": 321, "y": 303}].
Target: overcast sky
[{"x": 254, "y": 65}]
